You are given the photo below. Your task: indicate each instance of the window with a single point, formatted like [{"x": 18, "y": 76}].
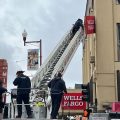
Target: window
[
  {"x": 118, "y": 84},
  {"x": 92, "y": 4},
  {"x": 118, "y": 41}
]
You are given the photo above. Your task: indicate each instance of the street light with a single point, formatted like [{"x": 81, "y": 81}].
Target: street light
[{"x": 24, "y": 34}]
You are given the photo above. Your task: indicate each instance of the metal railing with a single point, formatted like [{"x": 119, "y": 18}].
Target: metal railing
[{"x": 38, "y": 106}]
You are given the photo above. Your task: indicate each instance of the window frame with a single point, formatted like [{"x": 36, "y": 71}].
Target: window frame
[
  {"x": 118, "y": 85},
  {"x": 118, "y": 41},
  {"x": 92, "y": 4}
]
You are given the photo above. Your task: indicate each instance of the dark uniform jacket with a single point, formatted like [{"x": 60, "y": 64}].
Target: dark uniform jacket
[
  {"x": 77, "y": 25},
  {"x": 57, "y": 85},
  {"x": 23, "y": 84}
]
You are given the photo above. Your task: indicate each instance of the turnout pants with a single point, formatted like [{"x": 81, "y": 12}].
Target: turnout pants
[
  {"x": 56, "y": 100},
  {"x": 25, "y": 99}
]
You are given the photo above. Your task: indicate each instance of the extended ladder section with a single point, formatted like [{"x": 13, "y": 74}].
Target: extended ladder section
[{"x": 58, "y": 60}]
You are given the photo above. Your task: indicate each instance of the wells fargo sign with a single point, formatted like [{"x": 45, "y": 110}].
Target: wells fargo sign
[
  {"x": 73, "y": 101},
  {"x": 89, "y": 24}
]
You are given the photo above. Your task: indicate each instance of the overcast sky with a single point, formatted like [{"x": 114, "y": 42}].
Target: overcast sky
[{"x": 48, "y": 20}]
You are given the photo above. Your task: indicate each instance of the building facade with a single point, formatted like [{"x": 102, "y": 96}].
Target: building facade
[
  {"x": 3, "y": 72},
  {"x": 101, "y": 52}
]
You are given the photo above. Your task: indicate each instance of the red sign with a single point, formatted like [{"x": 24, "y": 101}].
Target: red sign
[
  {"x": 89, "y": 24},
  {"x": 3, "y": 73},
  {"x": 116, "y": 107},
  {"x": 73, "y": 101}
]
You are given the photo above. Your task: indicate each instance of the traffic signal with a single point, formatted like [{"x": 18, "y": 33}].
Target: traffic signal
[{"x": 86, "y": 92}]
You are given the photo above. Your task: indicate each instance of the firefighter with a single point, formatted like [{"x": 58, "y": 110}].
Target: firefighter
[
  {"x": 23, "y": 84},
  {"x": 58, "y": 87},
  {"x": 77, "y": 25}
]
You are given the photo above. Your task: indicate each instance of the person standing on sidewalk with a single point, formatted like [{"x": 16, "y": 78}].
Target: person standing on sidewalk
[
  {"x": 23, "y": 84},
  {"x": 57, "y": 88},
  {"x": 2, "y": 90}
]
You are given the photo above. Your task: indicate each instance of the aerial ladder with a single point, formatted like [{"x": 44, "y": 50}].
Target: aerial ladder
[{"x": 58, "y": 60}]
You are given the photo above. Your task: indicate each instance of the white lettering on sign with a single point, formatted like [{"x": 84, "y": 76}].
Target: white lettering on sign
[
  {"x": 4, "y": 74},
  {"x": 90, "y": 21},
  {"x": 73, "y": 103},
  {"x": 72, "y": 97},
  {"x": 65, "y": 104},
  {"x": 90, "y": 27}
]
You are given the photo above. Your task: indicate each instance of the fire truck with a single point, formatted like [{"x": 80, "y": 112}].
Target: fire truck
[{"x": 58, "y": 60}]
